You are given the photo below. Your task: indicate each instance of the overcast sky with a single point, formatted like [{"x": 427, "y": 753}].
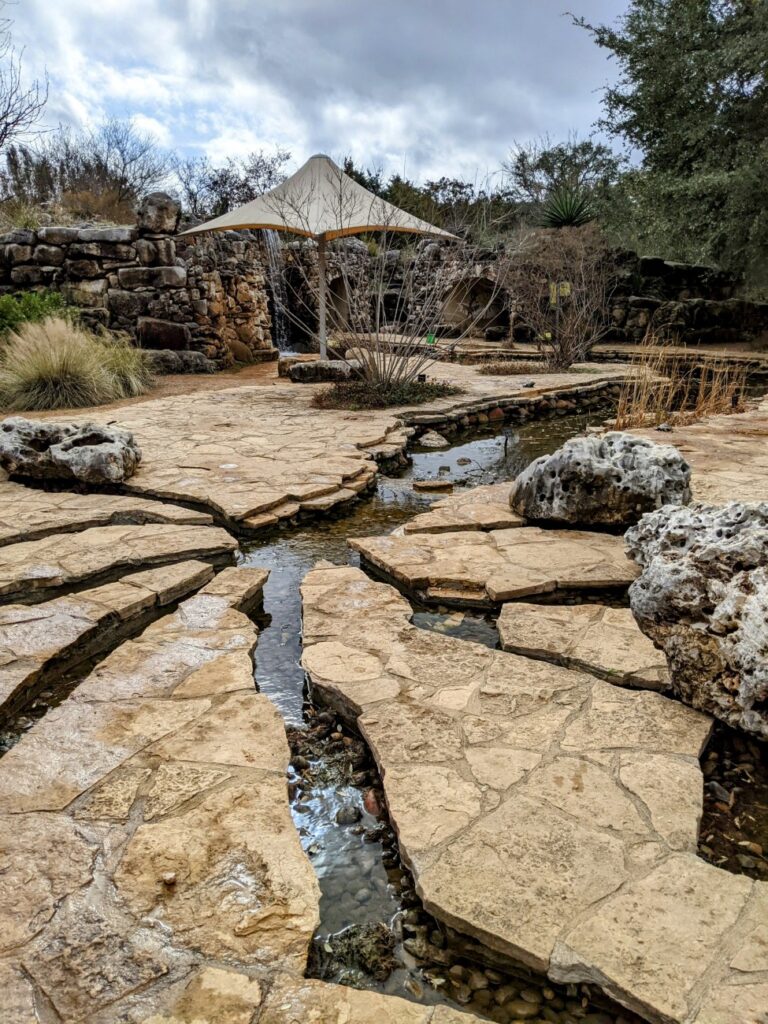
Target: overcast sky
[{"x": 431, "y": 87}]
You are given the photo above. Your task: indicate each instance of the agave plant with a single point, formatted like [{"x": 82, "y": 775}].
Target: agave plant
[{"x": 567, "y": 206}]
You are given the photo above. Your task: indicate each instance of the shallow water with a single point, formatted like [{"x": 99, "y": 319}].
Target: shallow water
[{"x": 472, "y": 460}]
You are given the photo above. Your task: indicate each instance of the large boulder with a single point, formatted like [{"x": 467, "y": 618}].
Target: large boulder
[
  {"x": 702, "y": 598},
  {"x": 602, "y": 480},
  {"x": 158, "y": 214},
  {"x": 319, "y": 370},
  {"x": 168, "y": 361},
  {"x": 87, "y": 452}
]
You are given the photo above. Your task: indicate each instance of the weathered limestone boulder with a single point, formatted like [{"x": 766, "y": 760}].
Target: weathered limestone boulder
[
  {"x": 162, "y": 334},
  {"x": 703, "y": 599},
  {"x": 608, "y": 480},
  {"x": 165, "y": 360},
  {"x": 87, "y": 452},
  {"x": 158, "y": 214},
  {"x": 320, "y": 370}
]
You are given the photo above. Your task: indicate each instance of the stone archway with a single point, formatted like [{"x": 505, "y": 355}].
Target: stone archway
[
  {"x": 477, "y": 303},
  {"x": 338, "y": 301}
]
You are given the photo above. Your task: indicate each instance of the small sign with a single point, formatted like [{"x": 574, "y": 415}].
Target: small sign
[{"x": 559, "y": 290}]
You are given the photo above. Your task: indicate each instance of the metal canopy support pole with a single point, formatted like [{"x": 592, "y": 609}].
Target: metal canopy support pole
[{"x": 321, "y": 291}]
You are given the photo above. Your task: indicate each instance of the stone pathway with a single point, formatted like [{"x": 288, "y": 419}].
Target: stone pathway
[
  {"x": 247, "y": 454},
  {"x": 36, "y": 570},
  {"x": 151, "y": 871},
  {"x": 482, "y": 568},
  {"x": 547, "y": 813},
  {"x": 48, "y": 638},
  {"x": 29, "y": 514},
  {"x": 728, "y": 455},
  {"x": 605, "y": 642}
]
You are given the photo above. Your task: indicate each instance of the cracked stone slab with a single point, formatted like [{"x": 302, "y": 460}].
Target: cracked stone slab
[
  {"x": 483, "y": 568},
  {"x": 48, "y": 636},
  {"x": 604, "y": 641},
  {"x": 481, "y": 508},
  {"x": 35, "y": 570},
  {"x": 166, "y": 846},
  {"x": 542, "y": 810},
  {"x": 27, "y": 513}
]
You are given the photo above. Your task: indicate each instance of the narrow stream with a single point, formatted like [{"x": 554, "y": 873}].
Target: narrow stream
[{"x": 367, "y": 899}]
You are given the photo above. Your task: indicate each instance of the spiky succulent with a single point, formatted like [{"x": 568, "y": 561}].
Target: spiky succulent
[{"x": 567, "y": 206}]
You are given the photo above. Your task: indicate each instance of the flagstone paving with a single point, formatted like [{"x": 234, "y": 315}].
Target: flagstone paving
[
  {"x": 39, "y": 642},
  {"x": 27, "y": 513},
  {"x": 481, "y": 508},
  {"x": 484, "y": 567},
  {"x": 542, "y": 810},
  {"x": 604, "y": 641},
  {"x": 36, "y": 570},
  {"x": 151, "y": 870},
  {"x": 261, "y": 454}
]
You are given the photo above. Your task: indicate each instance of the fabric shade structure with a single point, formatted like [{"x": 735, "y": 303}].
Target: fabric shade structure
[{"x": 321, "y": 202}]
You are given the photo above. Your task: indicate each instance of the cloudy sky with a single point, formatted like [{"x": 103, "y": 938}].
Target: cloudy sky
[{"x": 431, "y": 87}]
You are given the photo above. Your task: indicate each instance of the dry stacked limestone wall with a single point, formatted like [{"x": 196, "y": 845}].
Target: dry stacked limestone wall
[
  {"x": 680, "y": 302},
  {"x": 203, "y": 293}
]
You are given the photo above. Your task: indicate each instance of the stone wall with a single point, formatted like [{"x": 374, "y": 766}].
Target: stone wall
[
  {"x": 204, "y": 293},
  {"x": 680, "y": 302}
]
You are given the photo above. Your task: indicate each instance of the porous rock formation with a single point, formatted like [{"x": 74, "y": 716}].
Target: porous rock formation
[
  {"x": 88, "y": 452},
  {"x": 703, "y": 599},
  {"x": 602, "y": 480}
]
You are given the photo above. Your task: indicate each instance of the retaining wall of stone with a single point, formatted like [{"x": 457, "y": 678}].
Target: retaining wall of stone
[{"x": 204, "y": 293}]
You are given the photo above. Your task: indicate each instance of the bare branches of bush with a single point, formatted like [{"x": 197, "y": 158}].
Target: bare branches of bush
[
  {"x": 209, "y": 191},
  {"x": 20, "y": 105},
  {"x": 92, "y": 173},
  {"x": 562, "y": 281}
]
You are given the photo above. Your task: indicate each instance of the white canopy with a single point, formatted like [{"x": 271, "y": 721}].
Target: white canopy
[{"x": 320, "y": 201}]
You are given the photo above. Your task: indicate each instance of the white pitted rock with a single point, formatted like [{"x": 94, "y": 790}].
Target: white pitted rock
[
  {"x": 608, "y": 480},
  {"x": 87, "y": 452},
  {"x": 703, "y": 599}
]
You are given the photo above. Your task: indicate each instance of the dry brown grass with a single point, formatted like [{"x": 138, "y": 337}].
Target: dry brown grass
[
  {"x": 668, "y": 388},
  {"x": 510, "y": 367}
]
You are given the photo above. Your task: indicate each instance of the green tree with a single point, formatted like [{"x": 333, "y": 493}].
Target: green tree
[
  {"x": 536, "y": 169},
  {"x": 692, "y": 99}
]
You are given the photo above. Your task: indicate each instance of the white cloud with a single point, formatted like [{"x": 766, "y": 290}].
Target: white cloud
[{"x": 439, "y": 88}]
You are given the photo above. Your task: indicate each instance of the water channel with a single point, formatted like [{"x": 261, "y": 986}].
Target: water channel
[{"x": 363, "y": 885}]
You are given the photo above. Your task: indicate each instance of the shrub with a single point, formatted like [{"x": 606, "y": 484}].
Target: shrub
[
  {"x": 54, "y": 364},
  {"x": 512, "y": 367},
  {"x": 24, "y": 307}
]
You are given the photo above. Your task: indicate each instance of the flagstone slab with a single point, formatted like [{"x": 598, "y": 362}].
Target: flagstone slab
[
  {"x": 36, "y": 570},
  {"x": 147, "y": 831},
  {"x": 40, "y": 640},
  {"x": 604, "y": 641},
  {"x": 483, "y": 568},
  {"x": 544, "y": 811},
  {"x": 481, "y": 508},
  {"x": 27, "y": 513}
]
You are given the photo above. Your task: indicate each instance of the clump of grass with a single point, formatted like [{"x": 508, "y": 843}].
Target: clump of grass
[
  {"x": 670, "y": 389},
  {"x": 510, "y": 367},
  {"x": 360, "y": 394},
  {"x": 54, "y": 364},
  {"x": 31, "y": 307}
]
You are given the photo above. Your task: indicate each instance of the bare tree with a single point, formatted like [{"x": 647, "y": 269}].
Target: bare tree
[
  {"x": 99, "y": 172},
  {"x": 209, "y": 191},
  {"x": 20, "y": 105},
  {"x": 562, "y": 281}
]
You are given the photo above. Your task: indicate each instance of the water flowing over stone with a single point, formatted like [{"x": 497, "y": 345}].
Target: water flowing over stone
[
  {"x": 88, "y": 452},
  {"x": 703, "y": 599},
  {"x": 279, "y": 290},
  {"x": 608, "y": 480}
]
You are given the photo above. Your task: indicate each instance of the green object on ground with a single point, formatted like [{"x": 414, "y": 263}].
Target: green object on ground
[{"x": 431, "y": 339}]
